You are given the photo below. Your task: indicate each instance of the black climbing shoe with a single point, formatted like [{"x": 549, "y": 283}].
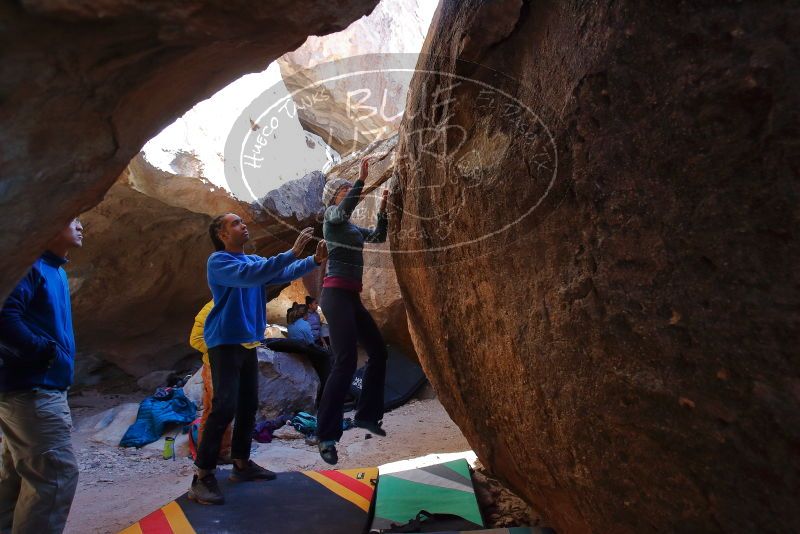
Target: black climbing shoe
[
  {"x": 253, "y": 471},
  {"x": 205, "y": 490},
  {"x": 327, "y": 449},
  {"x": 375, "y": 428}
]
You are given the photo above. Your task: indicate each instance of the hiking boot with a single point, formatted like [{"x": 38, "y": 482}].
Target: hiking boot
[
  {"x": 205, "y": 490},
  {"x": 253, "y": 471},
  {"x": 375, "y": 428},
  {"x": 327, "y": 450}
]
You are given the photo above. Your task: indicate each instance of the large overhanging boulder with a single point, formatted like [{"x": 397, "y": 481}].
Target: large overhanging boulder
[
  {"x": 348, "y": 110},
  {"x": 274, "y": 220},
  {"x": 282, "y": 213},
  {"x": 610, "y": 314},
  {"x": 86, "y": 83},
  {"x": 189, "y": 190}
]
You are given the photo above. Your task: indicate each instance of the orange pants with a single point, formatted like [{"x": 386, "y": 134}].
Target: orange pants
[{"x": 208, "y": 395}]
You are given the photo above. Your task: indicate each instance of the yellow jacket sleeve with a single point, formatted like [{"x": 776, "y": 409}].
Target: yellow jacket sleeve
[{"x": 196, "y": 339}]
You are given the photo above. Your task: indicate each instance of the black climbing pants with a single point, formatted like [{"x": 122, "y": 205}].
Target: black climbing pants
[
  {"x": 350, "y": 323},
  {"x": 234, "y": 375}
]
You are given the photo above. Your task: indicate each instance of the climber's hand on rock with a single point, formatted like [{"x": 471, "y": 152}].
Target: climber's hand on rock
[
  {"x": 302, "y": 240},
  {"x": 364, "y": 172},
  {"x": 322, "y": 252}
]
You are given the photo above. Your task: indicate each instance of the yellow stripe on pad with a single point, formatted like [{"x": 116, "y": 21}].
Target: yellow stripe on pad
[
  {"x": 133, "y": 529},
  {"x": 362, "y": 476},
  {"x": 177, "y": 519}
]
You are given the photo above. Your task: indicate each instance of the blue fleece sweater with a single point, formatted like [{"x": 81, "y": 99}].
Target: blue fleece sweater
[
  {"x": 315, "y": 323},
  {"x": 36, "y": 325},
  {"x": 237, "y": 283},
  {"x": 300, "y": 330}
]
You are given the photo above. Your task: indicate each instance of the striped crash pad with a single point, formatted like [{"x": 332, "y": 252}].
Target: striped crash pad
[
  {"x": 439, "y": 489},
  {"x": 335, "y": 502}
]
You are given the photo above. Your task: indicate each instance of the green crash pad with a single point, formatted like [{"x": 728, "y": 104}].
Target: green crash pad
[{"x": 439, "y": 489}]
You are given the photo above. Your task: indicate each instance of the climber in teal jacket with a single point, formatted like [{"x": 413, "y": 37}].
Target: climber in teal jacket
[{"x": 233, "y": 329}]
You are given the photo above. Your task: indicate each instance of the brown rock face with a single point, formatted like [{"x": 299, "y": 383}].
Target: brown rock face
[
  {"x": 86, "y": 83},
  {"x": 276, "y": 308},
  {"x": 138, "y": 281},
  {"x": 622, "y": 349}
]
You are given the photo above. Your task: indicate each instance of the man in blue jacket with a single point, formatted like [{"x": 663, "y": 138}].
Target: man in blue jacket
[
  {"x": 39, "y": 472},
  {"x": 233, "y": 329}
]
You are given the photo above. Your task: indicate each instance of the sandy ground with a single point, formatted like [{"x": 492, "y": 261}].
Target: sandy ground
[{"x": 119, "y": 486}]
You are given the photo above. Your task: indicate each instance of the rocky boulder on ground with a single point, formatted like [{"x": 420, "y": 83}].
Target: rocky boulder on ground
[
  {"x": 108, "y": 428},
  {"x": 153, "y": 380},
  {"x": 287, "y": 383}
]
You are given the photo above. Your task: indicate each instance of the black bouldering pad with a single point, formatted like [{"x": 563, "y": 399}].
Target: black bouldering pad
[{"x": 334, "y": 502}]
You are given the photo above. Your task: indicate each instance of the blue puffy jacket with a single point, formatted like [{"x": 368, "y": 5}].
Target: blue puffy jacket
[
  {"x": 155, "y": 413},
  {"x": 36, "y": 330}
]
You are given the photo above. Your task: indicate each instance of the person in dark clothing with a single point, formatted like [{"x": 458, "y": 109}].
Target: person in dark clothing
[
  {"x": 348, "y": 319},
  {"x": 300, "y": 334},
  {"x": 39, "y": 472},
  {"x": 232, "y": 331}
]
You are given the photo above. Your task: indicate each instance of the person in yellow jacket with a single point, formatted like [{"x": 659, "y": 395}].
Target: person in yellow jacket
[{"x": 198, "y": 342}]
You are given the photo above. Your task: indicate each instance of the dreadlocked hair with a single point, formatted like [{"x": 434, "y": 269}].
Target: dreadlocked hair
[{"x": 213, "y": 232}]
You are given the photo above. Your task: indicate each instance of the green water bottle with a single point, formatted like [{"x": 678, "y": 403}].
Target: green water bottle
[{"x": 169, "y": 448}]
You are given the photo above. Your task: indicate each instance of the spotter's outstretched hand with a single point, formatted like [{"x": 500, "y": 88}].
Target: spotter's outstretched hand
[
  {"x": 322, "y": 251},
  {"x": 302, "y": 240}
]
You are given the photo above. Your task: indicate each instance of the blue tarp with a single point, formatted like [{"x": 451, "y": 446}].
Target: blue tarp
[{"x": 155, "y": 413}]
